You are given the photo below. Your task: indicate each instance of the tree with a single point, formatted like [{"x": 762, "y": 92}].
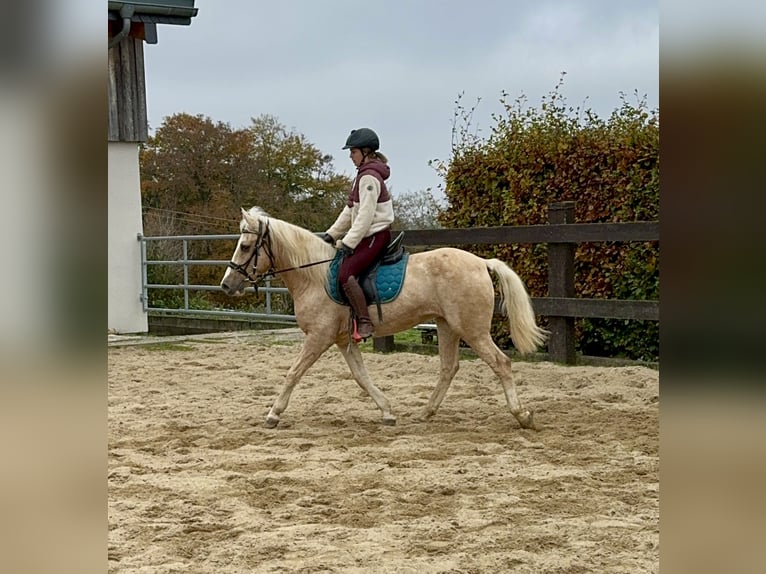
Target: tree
[
  {"x": 295, "y": 181},
  {"x": 182, "y": 160},
  {"x": 417, "y": 210},
  {"x": 198, "y": 173}
]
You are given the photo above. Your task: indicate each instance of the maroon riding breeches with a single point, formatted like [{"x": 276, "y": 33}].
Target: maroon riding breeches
[{"x": 365, "y": 253}]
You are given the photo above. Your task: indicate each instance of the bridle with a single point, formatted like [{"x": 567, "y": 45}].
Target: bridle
[{"x": 264, "y": 242}]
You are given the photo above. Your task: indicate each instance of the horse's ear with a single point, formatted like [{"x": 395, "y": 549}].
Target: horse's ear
[{"x": 246, "y": 216}]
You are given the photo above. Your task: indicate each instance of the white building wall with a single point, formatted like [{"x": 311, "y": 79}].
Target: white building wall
[{"x": 126, "y": 314}]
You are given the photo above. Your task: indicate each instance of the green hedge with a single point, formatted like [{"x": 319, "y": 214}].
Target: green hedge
[{"x": 537, "y": 156}]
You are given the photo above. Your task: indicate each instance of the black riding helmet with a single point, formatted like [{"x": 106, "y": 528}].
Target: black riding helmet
[{"x": 361, "y": 138}]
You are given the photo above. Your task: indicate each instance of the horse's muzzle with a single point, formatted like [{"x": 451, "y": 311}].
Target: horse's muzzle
[{"x": 232, "y": 284}]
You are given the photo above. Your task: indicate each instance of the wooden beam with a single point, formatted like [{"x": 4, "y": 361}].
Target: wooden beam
[
  {"x": 127, "y": 92},
  {"x": 596, "y": 308},
  {"x": 551, "y": 233}
]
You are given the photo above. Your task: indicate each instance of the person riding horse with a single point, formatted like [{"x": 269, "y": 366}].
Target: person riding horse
[
  {"x": 450, "y": 287},
  {"x": 364, "y": 225}
]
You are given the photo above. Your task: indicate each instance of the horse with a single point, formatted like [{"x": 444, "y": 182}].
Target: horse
[{"x": 448, "y": 285}]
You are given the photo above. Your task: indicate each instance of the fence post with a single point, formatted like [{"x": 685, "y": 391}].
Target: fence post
[
  {"x": 383, "y": 344},
  {"x": 186, "y": 274},
  {"x": 561, "y": 345}
]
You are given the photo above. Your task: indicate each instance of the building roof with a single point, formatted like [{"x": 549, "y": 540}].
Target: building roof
[{"x": 178, "y": 12}]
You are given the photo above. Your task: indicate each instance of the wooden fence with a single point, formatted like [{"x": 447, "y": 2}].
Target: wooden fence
[{"x": 561, "y": 235}]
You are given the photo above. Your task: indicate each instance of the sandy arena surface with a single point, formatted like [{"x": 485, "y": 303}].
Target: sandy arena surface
[{"x": 197, "y": 484}]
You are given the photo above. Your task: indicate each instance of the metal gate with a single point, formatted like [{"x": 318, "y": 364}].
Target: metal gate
[{"x": 185, "y": 263}]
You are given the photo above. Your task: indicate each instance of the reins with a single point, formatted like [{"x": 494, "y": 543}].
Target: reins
[
  {"x": 264, "y": 241},
  {"x": 272, "y": 272}
]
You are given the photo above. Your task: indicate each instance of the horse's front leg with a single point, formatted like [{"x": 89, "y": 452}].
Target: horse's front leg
[
  {"x": 353, "y": 357},
  {"x": 311, "y": 350}
]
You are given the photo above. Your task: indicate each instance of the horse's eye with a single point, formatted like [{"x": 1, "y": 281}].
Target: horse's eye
[{"x": 244, "y": 248}]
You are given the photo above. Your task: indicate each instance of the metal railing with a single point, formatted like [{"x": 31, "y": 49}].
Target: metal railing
[{"x": 185, "y": 263}]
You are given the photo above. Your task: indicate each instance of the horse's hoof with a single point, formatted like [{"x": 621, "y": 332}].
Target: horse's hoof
[
  {"x": 389, "y": 420},
  {"x": 427, "y": 414},
  {"x": 526, "y": 420},
  {"x": 271, "y": 422}
]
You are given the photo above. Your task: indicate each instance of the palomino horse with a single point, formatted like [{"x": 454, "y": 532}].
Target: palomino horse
[{"x": 452, "y": 286}]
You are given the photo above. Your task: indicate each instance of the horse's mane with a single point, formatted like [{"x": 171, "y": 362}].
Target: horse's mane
[{"x": 293, "y": 245}]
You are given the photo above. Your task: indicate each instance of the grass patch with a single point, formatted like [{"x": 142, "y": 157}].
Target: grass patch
[
  {"x": 409, "y": 338},
  {"x": 168, "y": 347}
]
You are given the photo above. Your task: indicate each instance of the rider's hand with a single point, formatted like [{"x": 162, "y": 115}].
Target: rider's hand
[
  {"x": 328, "y": 238},
  {"x": 345, "y": 249}
]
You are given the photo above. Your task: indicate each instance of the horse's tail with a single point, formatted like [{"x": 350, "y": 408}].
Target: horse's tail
[{"x": 527, "y": 336}]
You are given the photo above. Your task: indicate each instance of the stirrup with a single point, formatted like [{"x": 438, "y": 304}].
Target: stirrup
[{"x": 356, "y": 336}]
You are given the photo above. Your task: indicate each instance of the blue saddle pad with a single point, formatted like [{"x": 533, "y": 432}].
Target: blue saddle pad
[{"x": 388, "y": 280}]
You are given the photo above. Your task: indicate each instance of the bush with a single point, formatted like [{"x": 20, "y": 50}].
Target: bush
[{"x": 535, "y": 157}]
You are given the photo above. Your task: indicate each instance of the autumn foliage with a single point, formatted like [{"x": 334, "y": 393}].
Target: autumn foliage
[
  {"x": 534, "y": 157},
  {"x": 201, "y": 172},
  {"x": 196, "y": 174}
]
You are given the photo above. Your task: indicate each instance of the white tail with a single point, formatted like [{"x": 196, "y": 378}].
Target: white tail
[{"x": 517, "y": 306}]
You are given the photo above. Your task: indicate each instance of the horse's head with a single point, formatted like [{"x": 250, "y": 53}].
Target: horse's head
[{"x": 252, "y": 257}]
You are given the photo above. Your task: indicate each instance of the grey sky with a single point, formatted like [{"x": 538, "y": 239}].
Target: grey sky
[{"x": 326, "y": 67}]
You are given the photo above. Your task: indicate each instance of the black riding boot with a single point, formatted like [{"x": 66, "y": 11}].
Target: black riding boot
[{"x": 356, "y": 298}]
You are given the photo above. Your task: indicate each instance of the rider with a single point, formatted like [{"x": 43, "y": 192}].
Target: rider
[{"x": 365, "y": 220}]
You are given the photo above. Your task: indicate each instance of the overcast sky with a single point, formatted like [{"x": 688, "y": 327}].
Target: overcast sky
[{"x": 326, "y": 67}]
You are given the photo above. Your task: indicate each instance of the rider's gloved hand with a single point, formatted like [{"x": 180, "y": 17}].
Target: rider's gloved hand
[
  {"x": 328, "y": 238},
  {"x": 345, "y": 249}
]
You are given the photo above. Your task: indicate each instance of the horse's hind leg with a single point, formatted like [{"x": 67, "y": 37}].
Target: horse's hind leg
[
  {"x": 309, "y": 353},
  {"x": 500, "y": 363},
  {"x": 353, "y": 357},
  {"x": 449, "y": 349}
]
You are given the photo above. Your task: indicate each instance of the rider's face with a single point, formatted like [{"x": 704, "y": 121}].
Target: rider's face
[{"x": 356, "y": 156}]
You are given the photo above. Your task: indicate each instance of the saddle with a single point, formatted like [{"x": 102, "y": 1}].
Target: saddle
[{"x": 381, "y": 282}]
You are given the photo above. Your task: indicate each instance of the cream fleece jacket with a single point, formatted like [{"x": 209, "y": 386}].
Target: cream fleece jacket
[{"x": 364, "y": 218}]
